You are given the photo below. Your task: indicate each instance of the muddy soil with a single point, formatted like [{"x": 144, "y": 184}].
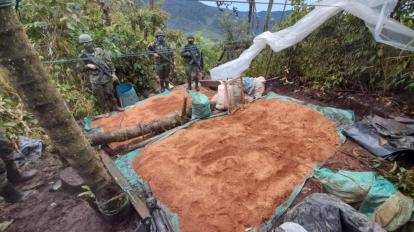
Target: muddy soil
[
  {"x": 361, "y": 103},
  {"x": 49, "y": 210}
]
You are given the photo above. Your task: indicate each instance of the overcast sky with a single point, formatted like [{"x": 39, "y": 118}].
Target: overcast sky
[{"x": 260, "y": 7}]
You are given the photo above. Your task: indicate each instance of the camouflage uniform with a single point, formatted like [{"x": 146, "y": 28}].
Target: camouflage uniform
[
  {"x": 164, "y": 62},
  {"x": 3, "y": 175},
  {"x": 6, "y": 159},
  {"x": 102, "y": 84},
  {"x": 193, "y": 66},
  {"x": 9, "y": 174}
]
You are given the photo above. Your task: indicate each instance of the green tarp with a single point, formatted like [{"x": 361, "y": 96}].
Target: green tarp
[{"x": 366, "y": 189}]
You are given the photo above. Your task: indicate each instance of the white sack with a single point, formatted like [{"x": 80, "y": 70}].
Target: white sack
[{"x": 259, "y": 87}]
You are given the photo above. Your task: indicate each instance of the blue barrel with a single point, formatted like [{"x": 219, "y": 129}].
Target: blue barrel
[{"x": 127, "y": 95}]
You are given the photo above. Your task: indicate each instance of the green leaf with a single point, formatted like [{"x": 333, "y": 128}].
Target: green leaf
[{"x": 5, "y": 225}]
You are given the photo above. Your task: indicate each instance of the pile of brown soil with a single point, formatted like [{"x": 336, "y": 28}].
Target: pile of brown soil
[
  {"x": 153, "y": 108},
  {"x": 230, "y": 173}
]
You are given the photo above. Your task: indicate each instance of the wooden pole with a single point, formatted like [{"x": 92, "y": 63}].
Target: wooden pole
[
  {"x": 184, "y": 110},
  {"x": 227, "y": 97},
  {"x": 242, "y": 100},
  {"x": 135, "y": 131},
  {"x": 139, "y": 205}
]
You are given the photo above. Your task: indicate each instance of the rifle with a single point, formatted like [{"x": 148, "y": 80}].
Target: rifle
[
  {"x": 199, "y": 75},
  {"x": 161, "y": 54},
  {"x": 158, "y": 221},
  {"x": 193, "y": 59},
  {"x": 88, "y": 60},
  {"x": 165, "y": 58},
  {"x": 103, "y": 71}
]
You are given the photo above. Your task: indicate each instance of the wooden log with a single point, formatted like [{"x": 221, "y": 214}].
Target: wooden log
[
  {"x": 123, "y": 134},
  {"x": 184, "y": 110},
  {"x": 131, "y": 145},
  {"x": 210, "y": 83},
  {"x": 139, "y": 205},
  {"x": 151, "y": 140},
  {"x": 141, "y": 144}
]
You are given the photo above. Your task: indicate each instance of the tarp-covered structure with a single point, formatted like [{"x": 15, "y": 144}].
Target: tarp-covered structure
[{"x": 375, "y": 13}]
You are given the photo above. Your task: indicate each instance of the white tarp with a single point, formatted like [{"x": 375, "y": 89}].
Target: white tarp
[{"x": 375, "y": 13}]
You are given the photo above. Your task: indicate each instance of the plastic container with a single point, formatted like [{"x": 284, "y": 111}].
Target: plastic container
[
  {"x": 126, "y": 94},
  {"x": 113, "y": 204}
]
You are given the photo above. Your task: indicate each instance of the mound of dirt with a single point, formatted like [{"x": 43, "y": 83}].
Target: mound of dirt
[
  {"x": 230, "y": 173},
  {"x": 151, "y": 109}
]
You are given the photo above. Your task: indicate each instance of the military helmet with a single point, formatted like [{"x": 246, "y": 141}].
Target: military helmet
[
  {"x": 190, "y": 36},
  {"x": 159, "y": 33},
  {"x": 85, "y": 38}
]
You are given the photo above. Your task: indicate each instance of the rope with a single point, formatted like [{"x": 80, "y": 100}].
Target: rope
[
  {"x": 5, "y": 3},
  {"x": 265, "y": 3},
  {"x": 269, "y": 62},
  {"x": 126, "y": 55}
]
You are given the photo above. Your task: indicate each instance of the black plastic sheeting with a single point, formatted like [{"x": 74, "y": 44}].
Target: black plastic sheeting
[
  {"x": 322, "y": 212},
  {"x": 385, "y": 138}
]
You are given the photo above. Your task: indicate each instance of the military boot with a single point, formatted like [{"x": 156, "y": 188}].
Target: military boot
[
  {"x": 15, "y": 176},
  {"x": 11, "y": 195},
  {"x": 119, "y": 109},
  {"x": 167, "y": 84}
]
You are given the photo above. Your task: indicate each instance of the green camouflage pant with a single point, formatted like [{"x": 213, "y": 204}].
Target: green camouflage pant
[
  {"x": 163, "y": 71},
  {"x": 104, "y": 93},
  {"x": 6, "y": 148},
  {"x": 3, "y": 175},
  {"x": 191, "y": 73}
]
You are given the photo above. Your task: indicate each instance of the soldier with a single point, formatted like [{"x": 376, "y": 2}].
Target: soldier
[
  {"x": 97, "y": 64},
  {"x": 194, "y": 61},
  {"x": 10, "y": 174},
  {"x": 164, "y": 58}
]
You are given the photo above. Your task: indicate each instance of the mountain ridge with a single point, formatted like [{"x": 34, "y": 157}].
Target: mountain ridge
[{"x": 205, "y": 19}]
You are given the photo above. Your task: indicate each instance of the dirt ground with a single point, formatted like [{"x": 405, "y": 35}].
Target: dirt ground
[
  {"x": 49, "y": 210},
  {"x": 362, "y": 103},
  {"x": 72, "y": 214}
]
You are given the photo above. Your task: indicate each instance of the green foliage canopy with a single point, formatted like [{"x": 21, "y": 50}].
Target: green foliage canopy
[{"x": 342, "y": 54}]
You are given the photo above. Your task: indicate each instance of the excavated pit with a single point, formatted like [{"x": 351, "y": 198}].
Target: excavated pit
[{"x": 230, "y": 173}]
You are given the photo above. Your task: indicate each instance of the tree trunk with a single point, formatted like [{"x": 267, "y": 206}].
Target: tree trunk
[
  {"x": 151, "y": 3},
  {"x": 249, "y": 16},
  {"x": 106, "y": 17},
  {"x": 283, "y": 12},
  {"x": 37, "y": 91},
  {"x": 170, "y": 121},
  {"x": 268, "y": 14},
  {"x": 252, "y": 17}
]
